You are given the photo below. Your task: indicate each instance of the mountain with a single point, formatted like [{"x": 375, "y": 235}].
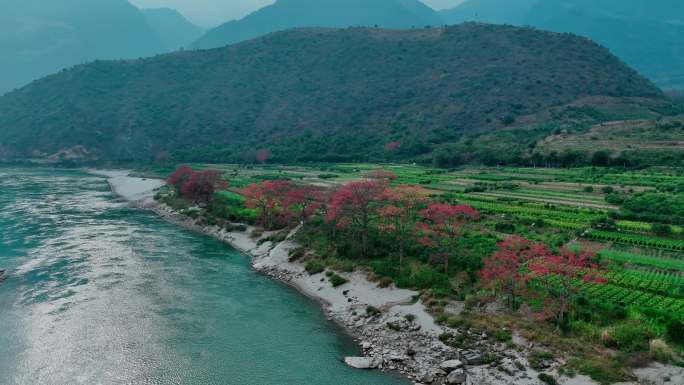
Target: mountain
[
  {"x": 646, "y": 35},
  {"x": 318, "y": 95},
  {"x": 512, "y": 12},
  {"x": 40, "y": 37},
  {"x": 286, "y": 14},
  {"x": 172, "y": 27}
]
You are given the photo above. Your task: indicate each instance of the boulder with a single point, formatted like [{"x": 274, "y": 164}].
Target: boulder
[
  {"x": 457, "y": 376},
  {"x": 473, "y": 358},
  {"x": 431, "y": 375},
  {"x": 361, "y": 362},
  {"x": 451, "y": 365}
]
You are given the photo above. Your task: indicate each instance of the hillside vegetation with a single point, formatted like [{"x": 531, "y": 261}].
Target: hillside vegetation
[
  {"x": 646, "y": 35},
  {"x": 314, "y": 95},
  {"x": 286, "y": 14}
]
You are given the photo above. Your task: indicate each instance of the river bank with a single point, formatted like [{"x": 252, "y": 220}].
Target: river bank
[{"x": 402, "y": 336}]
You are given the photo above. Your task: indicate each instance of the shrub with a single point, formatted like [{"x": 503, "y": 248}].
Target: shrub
[
  {"x": 384, "y": 282},
  {"x": 505, "y": 227},
  {"x": 547, "y": 379},
  {"x": 661, "y": 351},
  {"x": 372, "y": 310},
  {"x": 589, "y": 189},
  {"x": 503, "y": 335},
  {"x": 607, "y": 190},
  {"x": 314, "y": 267},
  {"x": 410, "y": 317},
  {"x": 675, "y": 331},
  {"x": 661, "y": 229},
  {"x": 337, "y": 280},
  {"x": 631, "y": 336},
  {"x": 600, "y": 369}
]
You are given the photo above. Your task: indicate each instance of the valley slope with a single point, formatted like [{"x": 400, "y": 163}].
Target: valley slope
[{"x": 321, "y": 95}]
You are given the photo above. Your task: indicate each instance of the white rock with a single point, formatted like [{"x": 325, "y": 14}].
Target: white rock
[
  {"x": 450, "y": 365},
  {"x": 361, "y": 362},
  {"x": 458, "y": 376}
]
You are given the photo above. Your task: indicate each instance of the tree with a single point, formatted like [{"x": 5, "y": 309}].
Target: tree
[
  {"x": 392, "y": 146},
  {"x": 355, "y": 205},
  {"x": 179, "y": 177},
  {"x": 398, "y": 218},
  {"x": 442, "y": 227},
  {"x": 557, "y": 274},
  {"x": 302, "y": 202},
  {"x": 262, "y": 156},
  {"x": 201, "y": 186},
  {"x": 268, "y": 197},
  {"x": 506, "y": 271}
]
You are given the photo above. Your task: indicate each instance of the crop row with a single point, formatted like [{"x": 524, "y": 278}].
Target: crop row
[
  {"x": 632, "y": 297},
  {"x": 669, "y": 286},
  {"x": 635, "y": 240},
  {"x": 664, "y": 263}
]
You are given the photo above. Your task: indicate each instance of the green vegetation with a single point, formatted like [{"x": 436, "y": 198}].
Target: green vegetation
[
  {"x": 596, "y": 274},
  {"x": 218, "y": 105}
]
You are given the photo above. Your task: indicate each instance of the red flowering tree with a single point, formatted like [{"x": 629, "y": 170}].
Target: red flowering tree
[
  {"x": 521, "y": 268},
  {"x": 302, "y": 202},
  {"x": 442, "y": 227},
  {"x": 506, "y": 272},
  {"x": 179, "y": 177},
  {"x": 355, "y": 205},
  {"x": 269, "y": 199},
  {"x": 392, "y": 146},
  {"x": 398, "y": 218},
  {"x": 262, "y": 156},
  {"x": 201, "y": 186},
  {"x": 556, "y": 277}
]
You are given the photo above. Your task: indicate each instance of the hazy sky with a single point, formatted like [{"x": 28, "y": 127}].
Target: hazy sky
[{"x": 209, "y": 13}]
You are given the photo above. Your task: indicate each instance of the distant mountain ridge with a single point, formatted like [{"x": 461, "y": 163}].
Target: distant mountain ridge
[
  {"x": 646, "y": 35},
  {"x": 40, "y": 37},
  {"x": 286, "y": 14},
  {"x": 173, "y": 29},
  {"x": 314, "y": 95}
]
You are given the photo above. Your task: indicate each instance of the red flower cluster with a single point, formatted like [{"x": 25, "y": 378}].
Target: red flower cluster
[{"x": 198, "y": 187}]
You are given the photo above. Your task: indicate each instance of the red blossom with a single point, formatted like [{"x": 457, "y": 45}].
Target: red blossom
[
  {"x": 381, "y": 174},
  {"x": 268, "y": 197},
  {"x": 392, "y": 146},
  {"x": 179, "y": 177},
  {"x": 442, "y": 226},
  {"x": 262, "y": 156},
  {"x": 355, "y": 204}
]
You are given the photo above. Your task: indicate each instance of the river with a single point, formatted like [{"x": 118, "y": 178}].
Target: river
[{"x": 101, "y": 293}]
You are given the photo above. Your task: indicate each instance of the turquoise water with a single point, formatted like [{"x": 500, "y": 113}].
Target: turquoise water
[{"x": 99, "y": 293}]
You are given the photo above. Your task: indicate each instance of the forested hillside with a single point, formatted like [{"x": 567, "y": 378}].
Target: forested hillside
[
  {"x": 325, "y": 95},
  {"x": 646, "y": 35},
  {"x": 286, "y": 14}
]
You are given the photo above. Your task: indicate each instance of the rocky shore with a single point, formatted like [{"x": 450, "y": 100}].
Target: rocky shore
[{"x": 392, "y": 326}]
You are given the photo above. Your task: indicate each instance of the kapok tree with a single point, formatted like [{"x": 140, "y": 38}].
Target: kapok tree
[
  {"x": 398, "y": 218},
  {"x": 201, "y": 186},
  {"x": 442, "y": 226},
  {"x": 262, "y": 156},
  {"x": 506, "y": 272},
  {"x": 355, "y": 205},
  {"x": 557, "y": 276},
  {"x": 302, "y": 202},
  {"x": 179, "y": 177},
  {"x": 268, "y": 198}
]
